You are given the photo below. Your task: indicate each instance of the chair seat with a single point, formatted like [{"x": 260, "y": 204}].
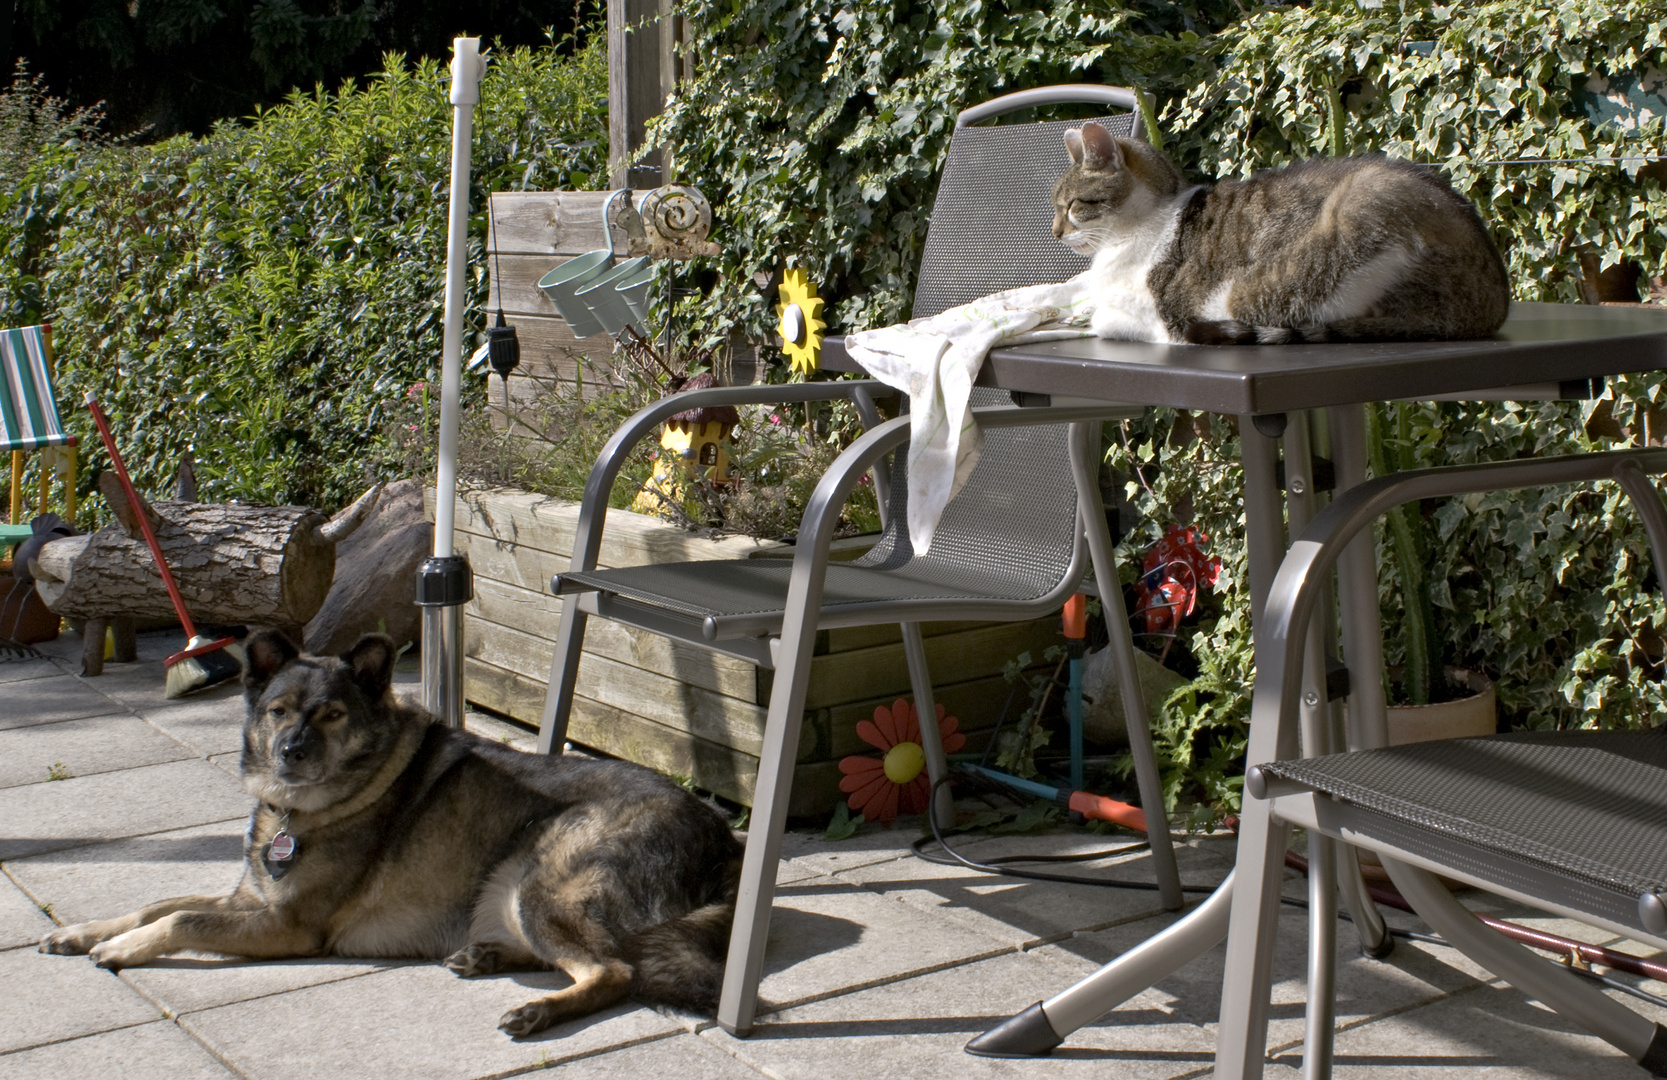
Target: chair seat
[
  {"x": 702, "y": 590},
  {"x": 1589, "y": 807}
]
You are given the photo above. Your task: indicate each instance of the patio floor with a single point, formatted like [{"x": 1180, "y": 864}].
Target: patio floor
[{"x": 880, "y": 964}]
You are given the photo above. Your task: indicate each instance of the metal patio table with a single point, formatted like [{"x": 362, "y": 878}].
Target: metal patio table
[{"x": 1543, "y": 351}]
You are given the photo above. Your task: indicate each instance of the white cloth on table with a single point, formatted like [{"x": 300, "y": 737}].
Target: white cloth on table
[{"x": 935, "y": 361}]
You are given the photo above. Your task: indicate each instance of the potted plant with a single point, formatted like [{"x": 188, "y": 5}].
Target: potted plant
[{"x": 1433, "y": 700}]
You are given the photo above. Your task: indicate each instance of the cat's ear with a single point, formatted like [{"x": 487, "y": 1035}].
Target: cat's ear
[
  {"x": 1099, "y": 149},
  {"x": 1073, "y": 145}
]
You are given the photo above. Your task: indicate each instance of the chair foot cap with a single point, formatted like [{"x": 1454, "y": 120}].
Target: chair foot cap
[
  {"x": 1385, "y": 947},
  {"x": 1027, "y": 1035}
]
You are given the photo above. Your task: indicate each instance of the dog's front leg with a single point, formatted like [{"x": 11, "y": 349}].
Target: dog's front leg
[
  {"x": 263, "y": 934},
  {"x": 81, "y": 937}
]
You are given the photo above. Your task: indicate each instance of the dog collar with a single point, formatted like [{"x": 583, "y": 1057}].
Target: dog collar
[{"x": 278, "y": 855}]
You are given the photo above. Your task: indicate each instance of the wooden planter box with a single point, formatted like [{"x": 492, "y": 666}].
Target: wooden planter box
[{"x": 679, "y": 708}]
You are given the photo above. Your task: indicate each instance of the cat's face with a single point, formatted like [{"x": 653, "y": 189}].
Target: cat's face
[{"x": 1112, "y": 186}]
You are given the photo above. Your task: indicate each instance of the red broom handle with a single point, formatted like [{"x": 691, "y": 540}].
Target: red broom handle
[{"x": 139, "y": 508}]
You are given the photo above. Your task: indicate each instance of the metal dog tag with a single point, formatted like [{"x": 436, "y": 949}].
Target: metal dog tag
[{"x": 279, "y": 855}]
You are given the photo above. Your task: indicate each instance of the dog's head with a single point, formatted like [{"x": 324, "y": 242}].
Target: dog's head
[{"x": 318, "y": 727}]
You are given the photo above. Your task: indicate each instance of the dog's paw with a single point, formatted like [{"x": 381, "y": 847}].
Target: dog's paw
[
  {"x": 131, "y": 949},
  {"x": 473, "y": 960},
  {"x": 72, "y": 940},
  {"x": 529, "y": 1019}
]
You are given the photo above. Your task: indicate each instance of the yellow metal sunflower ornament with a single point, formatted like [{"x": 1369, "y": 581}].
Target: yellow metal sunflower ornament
[{"x": 801, "y": 323}]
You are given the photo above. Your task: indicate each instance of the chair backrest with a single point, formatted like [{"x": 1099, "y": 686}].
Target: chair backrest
[
  {"x": 28, "y": 407},
  {"x": 992, "y": 229}
]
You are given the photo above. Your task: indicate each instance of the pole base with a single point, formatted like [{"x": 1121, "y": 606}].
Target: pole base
[{"x": 1027, "y": 1035}]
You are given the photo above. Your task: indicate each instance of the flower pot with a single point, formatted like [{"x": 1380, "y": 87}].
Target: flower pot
[{"x": 1475, "y": 714}]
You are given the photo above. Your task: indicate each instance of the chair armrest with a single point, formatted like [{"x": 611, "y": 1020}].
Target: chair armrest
[{"x": 593, "y": 506}]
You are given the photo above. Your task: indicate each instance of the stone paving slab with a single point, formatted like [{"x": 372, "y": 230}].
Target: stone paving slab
[
  {"x": 133, "y": 802},
  {"x": 681, "y": 1057},
  {"x": 49, "y": 1002},
  {"x": 1414, "y": 974},
  {"x": 918, "y": 1027},
  {"x": 209, "y": 722},
  {"x": 12, "y": 671},
  {"x": 420, "y": 1021},
  {"x": 189, "y": 984},
  {"x": 22, "y": 922},
  {"x": 98, "y": 744},
  {"x": 51, "y": 698},
  {"x": 1492, "y": 1031},
  {"x": 104, "y": 880},
  {"x": 1006, "y": 908},
  {"x": 154, "y": 1051},
  {"x": 827, "y": 937}
]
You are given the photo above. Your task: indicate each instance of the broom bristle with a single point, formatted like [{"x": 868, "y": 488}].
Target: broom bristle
[{"x": 191, "y": 671}]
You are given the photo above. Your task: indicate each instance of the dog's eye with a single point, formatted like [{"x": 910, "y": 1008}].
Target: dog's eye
[{"x": 276, "y": 710}]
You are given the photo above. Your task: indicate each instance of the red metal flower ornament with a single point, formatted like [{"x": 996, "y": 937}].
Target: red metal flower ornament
[
  {"x": 1175, "y": 570},
  {"x": 881, "y": 788}
]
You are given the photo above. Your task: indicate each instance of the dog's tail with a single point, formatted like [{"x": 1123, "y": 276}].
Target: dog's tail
[{"x": 680, "y": 962}]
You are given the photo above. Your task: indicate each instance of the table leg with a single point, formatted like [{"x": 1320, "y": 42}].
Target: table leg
[
  {"x": 1357, "y": 601},
  {"x": 1046, "y": 1024}
]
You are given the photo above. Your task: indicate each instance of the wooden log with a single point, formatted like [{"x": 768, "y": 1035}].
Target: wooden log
[{"x": 233, "y": 563}]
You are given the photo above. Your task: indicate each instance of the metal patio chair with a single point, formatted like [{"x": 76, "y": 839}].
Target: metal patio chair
[
  {"x": 1571, "y": 822},
  {"x": 1014, "y": 544},
  {"x": 29, "y": 421}
]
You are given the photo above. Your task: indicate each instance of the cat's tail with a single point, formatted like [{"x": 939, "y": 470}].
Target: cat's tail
[{"x": 1234, "y": 332}]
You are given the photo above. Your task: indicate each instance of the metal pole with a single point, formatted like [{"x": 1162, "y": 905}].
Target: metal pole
[{"x": 445, "y": 582}]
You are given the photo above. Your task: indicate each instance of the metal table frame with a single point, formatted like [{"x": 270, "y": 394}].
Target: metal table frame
[{"x": 1543, "y": 351}]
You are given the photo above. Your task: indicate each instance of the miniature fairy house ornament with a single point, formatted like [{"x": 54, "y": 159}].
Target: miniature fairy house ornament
[{"x": 692, "y": 447}]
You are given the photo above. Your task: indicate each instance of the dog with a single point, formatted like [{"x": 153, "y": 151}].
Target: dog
[{"x": 381, "y": 832}]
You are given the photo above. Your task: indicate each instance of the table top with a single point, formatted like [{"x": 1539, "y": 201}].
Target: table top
[{"x": 1539, "y": 344}]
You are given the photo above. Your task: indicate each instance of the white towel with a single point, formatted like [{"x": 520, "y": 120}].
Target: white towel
[{"x": 936, "y": 360}]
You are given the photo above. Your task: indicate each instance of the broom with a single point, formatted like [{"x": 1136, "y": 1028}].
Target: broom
[{"x": 202, "y": 662}]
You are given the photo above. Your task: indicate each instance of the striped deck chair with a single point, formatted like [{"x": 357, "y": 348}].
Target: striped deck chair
[{"x": 29, "y": 421}]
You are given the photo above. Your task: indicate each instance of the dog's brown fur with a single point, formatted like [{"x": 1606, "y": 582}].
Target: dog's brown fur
[{"x": 417, "y": 840}]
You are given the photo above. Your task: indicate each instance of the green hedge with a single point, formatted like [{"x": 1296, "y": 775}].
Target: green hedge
[{"x": 264, "y": 296}]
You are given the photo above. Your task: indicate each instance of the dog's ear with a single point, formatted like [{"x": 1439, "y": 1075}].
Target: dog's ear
[
  {"x": 372, "y": 662},
  {"x": 265, "y": 654}
]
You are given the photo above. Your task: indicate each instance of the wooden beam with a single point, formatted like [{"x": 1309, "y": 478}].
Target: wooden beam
[{"x": 636, "y": 86}]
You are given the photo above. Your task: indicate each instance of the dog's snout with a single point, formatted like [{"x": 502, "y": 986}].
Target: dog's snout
[{"x": 298, "y": 744}]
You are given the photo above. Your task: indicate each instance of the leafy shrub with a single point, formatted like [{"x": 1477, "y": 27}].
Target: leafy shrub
[{"x": 264, "y": 295}]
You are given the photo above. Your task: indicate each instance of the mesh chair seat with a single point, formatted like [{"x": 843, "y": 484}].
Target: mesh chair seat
[{"x": 1585, "y": 805}]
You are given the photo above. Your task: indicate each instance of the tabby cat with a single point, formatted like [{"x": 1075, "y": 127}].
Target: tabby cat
[{"x": 1349, "y": 249}]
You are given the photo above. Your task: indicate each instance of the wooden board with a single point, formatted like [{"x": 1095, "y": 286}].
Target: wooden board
[
  {"x": 546, "y": 223},
  {"x": 547, "y": 524},
  {"x": 716, "y": 768},
  {"x": 537, "y": 616}
]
